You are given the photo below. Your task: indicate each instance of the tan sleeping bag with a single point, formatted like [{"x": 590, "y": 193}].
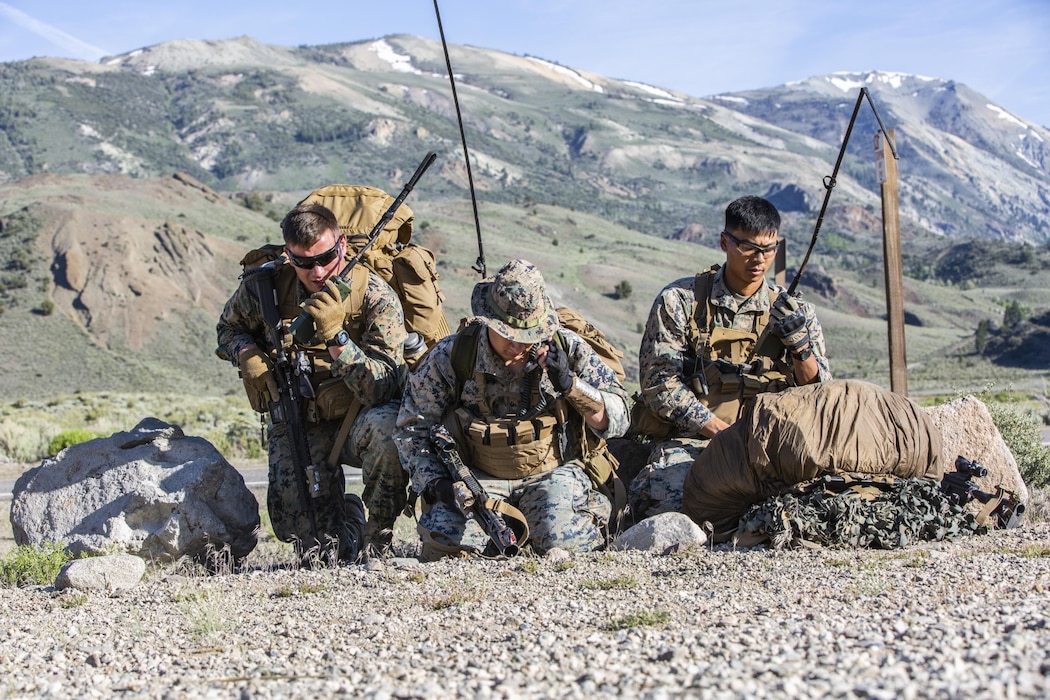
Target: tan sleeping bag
[{"x": 801, "y": 433}]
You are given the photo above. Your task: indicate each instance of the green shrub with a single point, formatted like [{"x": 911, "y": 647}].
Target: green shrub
[
  {"x": 645, "y": 618},
  {"x": 67, "y": 438},
  {"x": 33, "y": 566},
  {"x": 1020, "y": 430}
]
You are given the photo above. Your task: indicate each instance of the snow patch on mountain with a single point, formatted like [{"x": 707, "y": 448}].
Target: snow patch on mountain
[
  {"x": 400, "y": 62},
  {"x": 1003, "y": 114},
  {"x": 568, "y": 72},
  {"x": 655, "y": 91},
  {"x": 732, "y": 99}
]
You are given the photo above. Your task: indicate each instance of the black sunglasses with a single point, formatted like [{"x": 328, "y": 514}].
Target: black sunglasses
[
  {"x": 307, "y": 262},
  {"x": 749, "y": 248}
]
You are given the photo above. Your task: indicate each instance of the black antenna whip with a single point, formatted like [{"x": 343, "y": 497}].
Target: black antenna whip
[
  {"x": 829, "y": 181},
  {"x": 479, "y": 264}
]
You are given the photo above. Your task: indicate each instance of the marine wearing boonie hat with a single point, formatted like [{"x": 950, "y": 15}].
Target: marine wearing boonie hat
[{"x": 514, "y": 304}]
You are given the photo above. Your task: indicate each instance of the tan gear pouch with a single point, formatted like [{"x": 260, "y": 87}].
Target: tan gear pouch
[
  {"x": 333, "y": 399},
  {"x": 510, "y": 449},
  {"x": 415, "y": 279},
  {"x": 645, "y": 422}
]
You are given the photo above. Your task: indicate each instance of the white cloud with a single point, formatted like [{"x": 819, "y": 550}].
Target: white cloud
[{"x": 68, "y": 43}]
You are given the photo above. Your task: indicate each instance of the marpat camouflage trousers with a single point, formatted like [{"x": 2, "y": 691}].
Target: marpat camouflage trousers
[
  {"x": 368, "y": 446},
  {"x": 658, "y": 487},
  {"x": 560, "y": 507}
]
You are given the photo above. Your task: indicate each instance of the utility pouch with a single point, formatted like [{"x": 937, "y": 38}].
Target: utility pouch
[
  {"x": 511, "y": 449},
  {"x": 645, "y": 422},
  {"x": 333, "y": 399}
]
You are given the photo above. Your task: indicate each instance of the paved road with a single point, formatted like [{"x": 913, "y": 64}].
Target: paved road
[{"x": 254, "y": 477}]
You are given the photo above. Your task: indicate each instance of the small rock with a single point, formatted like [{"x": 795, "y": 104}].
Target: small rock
[
  {"x": 111, "y": 575},
  {"x": 556, "y": 555},
  {"x": 660, "y": 533}
]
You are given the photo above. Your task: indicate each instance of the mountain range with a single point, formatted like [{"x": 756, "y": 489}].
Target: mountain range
[{"x": 129, "y": 257}]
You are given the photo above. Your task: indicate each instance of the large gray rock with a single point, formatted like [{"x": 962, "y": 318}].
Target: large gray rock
[
  {"x": 152, "y": 492},
  {"x": 967, "y": 429}
]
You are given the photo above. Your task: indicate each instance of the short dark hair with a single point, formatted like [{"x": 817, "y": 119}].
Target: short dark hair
[
  {"x": 752, "y": 214},
  {"x": 304, "y": 225}
]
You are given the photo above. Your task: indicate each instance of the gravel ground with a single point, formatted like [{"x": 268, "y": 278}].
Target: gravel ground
[{"x": 965, "y": 619}]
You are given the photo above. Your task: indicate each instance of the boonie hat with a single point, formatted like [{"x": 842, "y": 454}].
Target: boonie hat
[{"x": 514, "y": 303}]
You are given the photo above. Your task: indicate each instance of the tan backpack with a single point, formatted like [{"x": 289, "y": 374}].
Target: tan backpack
[
  {"x": 610, "y": 354},
  {"x": 410, "y": 269}
]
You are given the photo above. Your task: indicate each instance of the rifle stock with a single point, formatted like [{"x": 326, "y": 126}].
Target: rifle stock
[{"x": 301, "y": 328}]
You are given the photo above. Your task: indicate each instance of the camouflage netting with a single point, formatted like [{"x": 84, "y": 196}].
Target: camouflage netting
[{"x": 902, "y": 512}]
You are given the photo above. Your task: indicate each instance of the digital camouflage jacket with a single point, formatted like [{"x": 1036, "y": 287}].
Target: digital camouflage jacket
[
  {"x": 431, "y": 393},
  {"x": 665, "y": 346},
  {"x": 372, "y": 368}
]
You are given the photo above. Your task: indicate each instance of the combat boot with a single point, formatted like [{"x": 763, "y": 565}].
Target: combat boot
[
  {"x": 353, "y": 528},
  {"x": 379, "y": 538}
]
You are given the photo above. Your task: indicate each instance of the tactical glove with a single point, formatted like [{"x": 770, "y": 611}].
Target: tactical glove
[
  {"x": 558, "y": 370},
  {"x": 580, "y": 395},
  {"x": 259, "y": 382},
  {"x": 789, "y": 322},
  {"x": 326, "y": 309}
]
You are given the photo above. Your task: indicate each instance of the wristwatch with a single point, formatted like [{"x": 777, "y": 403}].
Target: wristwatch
[
  {"x": 803, "y": 355},
  {"x": 339, "y": 339}
]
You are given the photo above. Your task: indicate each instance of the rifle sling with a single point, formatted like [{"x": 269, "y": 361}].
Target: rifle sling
[
  {"x": 441, "y": 542},
  {"x": 344, "y": 431}
]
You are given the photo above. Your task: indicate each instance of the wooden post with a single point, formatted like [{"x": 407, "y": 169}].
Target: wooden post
[{"x": 891, "y": 255}]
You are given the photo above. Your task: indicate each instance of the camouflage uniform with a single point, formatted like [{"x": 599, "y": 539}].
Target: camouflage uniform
[
  {"x": 658, "y": 487},
  {"x": 374, "y": 371},
  {"x": 560, "y": 505}
]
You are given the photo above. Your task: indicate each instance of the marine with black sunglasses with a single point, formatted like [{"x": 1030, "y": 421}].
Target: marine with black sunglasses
[{"x": 355, "y": 368}]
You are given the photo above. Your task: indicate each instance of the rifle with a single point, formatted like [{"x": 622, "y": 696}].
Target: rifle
[
  {"x": 291, "y": 372},
  {"x": 471, "y": 498},
  {"x": 961, "y": 489},
  {"x": 300, "y": 328}
]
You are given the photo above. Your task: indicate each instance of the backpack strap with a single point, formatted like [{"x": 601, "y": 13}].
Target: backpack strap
[
  {"x": 465, "y": 354},
  {"x": 702, "y": 284}
]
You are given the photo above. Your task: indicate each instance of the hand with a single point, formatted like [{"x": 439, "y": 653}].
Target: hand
[
  {"x": 258, "y": 379},
  {"x": 788, "y": 322},
  {"x": 326, "y": 309},
  {"x": 440, "y": 491},
  {"x": 557, "y": 363}
]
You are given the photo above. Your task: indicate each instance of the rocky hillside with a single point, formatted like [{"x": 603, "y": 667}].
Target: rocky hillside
[
  {"x": 241, "y": 115},
  {"x": 124, "y": 185}
]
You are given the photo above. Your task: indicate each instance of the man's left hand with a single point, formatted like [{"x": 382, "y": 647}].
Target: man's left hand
[
  {"x": 789, "y": 322},
  {"x": 558, "y": 370},
  {"x": 326, "y": 309}
]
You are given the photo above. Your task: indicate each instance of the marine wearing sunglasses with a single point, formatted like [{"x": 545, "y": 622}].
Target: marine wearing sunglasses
[
  {"x": 748, "y": 258},
  {"x": 317, "y": 263}
]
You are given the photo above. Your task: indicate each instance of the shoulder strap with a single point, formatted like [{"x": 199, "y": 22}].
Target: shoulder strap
[
  {"x": 259, "y": 281},
  {"x": 358, "y": 287},
  {"x": 702, "y": 284},
  {"x": 465, "y": 354}
]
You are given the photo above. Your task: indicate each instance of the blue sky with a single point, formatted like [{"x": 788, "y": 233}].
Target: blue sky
[{"x": 702, "y": 47}]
